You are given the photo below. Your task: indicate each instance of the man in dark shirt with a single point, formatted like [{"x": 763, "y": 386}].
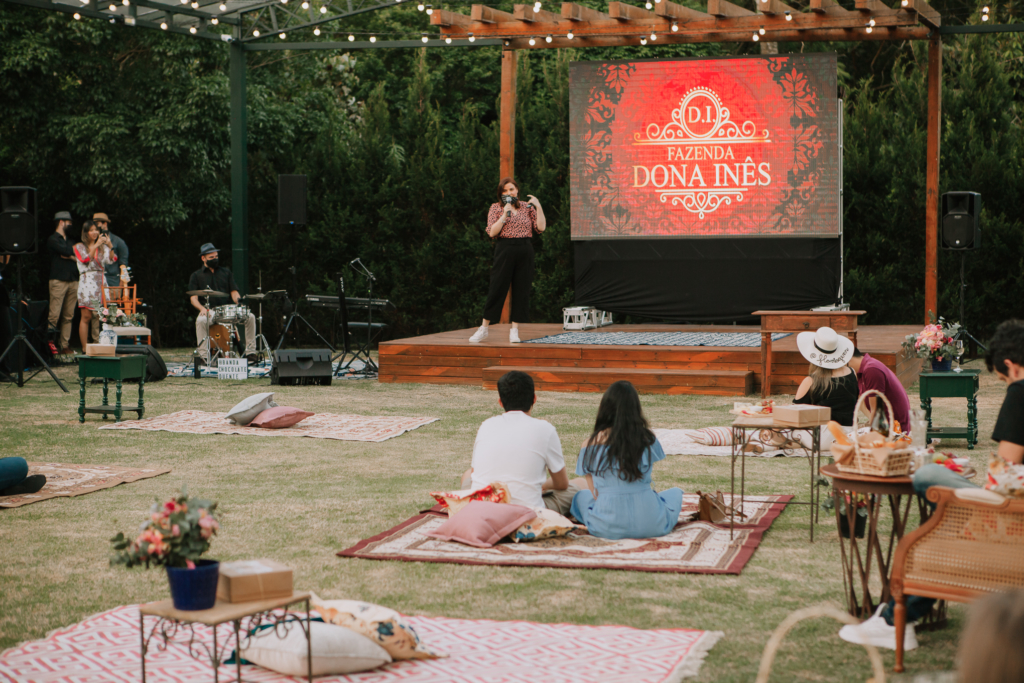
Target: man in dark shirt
[
  {"x": 218, "y": 278},
  {"x": 63, "y": 280},
  {"x": 112, "y": 271},
  {"x": 873, "y": 374}
]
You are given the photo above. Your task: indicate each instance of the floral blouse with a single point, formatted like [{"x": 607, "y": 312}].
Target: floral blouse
[{"x": 522, "y": 224}]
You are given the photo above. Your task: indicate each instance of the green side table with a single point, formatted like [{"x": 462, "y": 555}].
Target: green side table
[
  {"x": 108, "y": 368},
  {"x": 963, "y": 384}
]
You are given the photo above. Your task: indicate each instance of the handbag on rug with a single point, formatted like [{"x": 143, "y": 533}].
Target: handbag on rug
[{"x": 713, "y": 508}]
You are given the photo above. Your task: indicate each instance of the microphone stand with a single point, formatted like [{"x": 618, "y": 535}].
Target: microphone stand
[{"x": 371, "y": 367}]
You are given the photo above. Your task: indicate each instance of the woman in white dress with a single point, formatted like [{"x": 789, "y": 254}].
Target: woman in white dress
[{"x": 92, "y": 254}]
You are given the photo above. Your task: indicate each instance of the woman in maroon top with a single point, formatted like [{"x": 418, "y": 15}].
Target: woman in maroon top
[{"x": 512, "y": 223}]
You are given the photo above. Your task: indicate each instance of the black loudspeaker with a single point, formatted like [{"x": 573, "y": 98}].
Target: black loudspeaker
[
  {"x": 961, "y": 221},
  {"x": 291, "y": 200},
  {"x": 156, "y": 369},
  {"x": 18, "y": 220},
  {"x": 302, "y": 367}
]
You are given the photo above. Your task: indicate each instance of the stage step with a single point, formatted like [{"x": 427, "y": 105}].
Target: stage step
[{"x": 646, "y": 380}]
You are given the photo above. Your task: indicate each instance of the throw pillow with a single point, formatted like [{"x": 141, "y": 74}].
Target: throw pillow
[
  {"x": 547, "y": 524},
  {"x": 714, "y": 436},
  {"x": 244, "y": 413},
  {"x": 280, "y": 417},
  {"x": 453, "y": 501},
  {"x": 482, "y": 524},
  {"x": 1004, "y": 477},
  {"x": 336, "y": 650},
  {"x": 383, "y": 626}
]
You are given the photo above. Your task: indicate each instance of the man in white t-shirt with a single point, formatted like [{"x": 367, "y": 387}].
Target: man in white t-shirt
[{"x": 521, "y": 451}]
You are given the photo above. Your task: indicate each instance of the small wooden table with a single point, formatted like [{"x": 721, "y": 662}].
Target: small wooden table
[
  {"x": 170, "y": 621},
  {"x": 118, "y": 368},
  {"x": 963, "y": 384},
  {"x": 775, "y": 322},
  {"x": 750, "y": 432}
]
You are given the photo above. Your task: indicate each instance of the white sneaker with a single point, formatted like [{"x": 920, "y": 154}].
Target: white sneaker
[
  {"x": 479, "y": 335},
  {"x": 876, "y": 632},
  {"x": 513, "y": 336}
]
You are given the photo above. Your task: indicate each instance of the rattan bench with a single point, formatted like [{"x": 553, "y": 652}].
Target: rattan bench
[{"x": 972, "y": 545}]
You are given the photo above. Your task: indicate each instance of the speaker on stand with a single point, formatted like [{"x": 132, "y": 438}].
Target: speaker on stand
[{"x": 961, "y": 231}]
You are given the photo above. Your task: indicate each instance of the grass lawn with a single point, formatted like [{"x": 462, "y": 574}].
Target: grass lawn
[{"x": 301, "y": 500}]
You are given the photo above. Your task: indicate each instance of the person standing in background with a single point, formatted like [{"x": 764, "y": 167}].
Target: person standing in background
[
  {"x": 112, "y": 271},
  {"x": 63, "y": 280}
]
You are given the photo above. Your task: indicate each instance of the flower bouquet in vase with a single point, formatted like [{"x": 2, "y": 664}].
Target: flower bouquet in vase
[
  {"x": 176, "y": 535},
  {"x": 937, "y": 343},
  {"x": 109, "y": 317}
]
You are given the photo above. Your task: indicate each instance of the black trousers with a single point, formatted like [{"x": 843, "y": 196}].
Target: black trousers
[{"x": 513, "y": 265}]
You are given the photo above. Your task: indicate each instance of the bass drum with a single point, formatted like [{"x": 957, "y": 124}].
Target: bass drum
[{"x": 220, "y": 337}]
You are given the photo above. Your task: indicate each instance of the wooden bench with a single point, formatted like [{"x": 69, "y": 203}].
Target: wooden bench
[{"x": 646, "y": 380}]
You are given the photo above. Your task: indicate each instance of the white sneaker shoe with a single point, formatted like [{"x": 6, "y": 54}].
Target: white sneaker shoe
[
  {"x": 480, "y": 334},
  {"x": 513, "y": 336},
  {"x": 875, "y": 631}
]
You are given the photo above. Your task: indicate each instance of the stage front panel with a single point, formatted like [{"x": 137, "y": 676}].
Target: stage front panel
[{"x": 744, "y": 146}]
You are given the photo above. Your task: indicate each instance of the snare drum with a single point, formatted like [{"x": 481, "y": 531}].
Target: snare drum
[{"x": 231, "y": 314}]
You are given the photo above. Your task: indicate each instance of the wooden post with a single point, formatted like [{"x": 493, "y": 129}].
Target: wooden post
[
  {"x": 931, "y": 209},
  {"x": 508, "y": 138}
]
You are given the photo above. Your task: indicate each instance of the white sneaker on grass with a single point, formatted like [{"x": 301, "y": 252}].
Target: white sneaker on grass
[
  {"x": 480, "y": 334},
  {"x": 876, "y": 632},
  {"x": 513, "y": 336}
]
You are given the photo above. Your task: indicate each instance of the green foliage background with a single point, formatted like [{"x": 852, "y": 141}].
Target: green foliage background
[{"x": 401, "y": 150}]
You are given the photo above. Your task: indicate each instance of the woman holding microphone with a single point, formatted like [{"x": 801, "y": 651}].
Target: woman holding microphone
[
  {"x": 92, "y": 254},
  {"x": 512, "y": 223}
]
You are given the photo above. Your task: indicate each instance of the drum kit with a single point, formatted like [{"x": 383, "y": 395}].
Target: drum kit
[{"x": 221, "y": 339}]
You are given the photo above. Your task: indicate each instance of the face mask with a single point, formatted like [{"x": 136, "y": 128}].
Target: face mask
[{"x": 213, "y": 263}]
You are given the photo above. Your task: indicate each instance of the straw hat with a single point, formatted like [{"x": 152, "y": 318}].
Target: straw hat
[{"x": 825, "y": 348}]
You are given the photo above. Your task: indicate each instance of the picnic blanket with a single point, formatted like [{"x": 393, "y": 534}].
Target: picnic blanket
[
  {"x": 320, "y": 426},
  {"x": 691, "y": 548},
  {"x": 105, "y": 647},
  {"x": 66, "y": 481}
]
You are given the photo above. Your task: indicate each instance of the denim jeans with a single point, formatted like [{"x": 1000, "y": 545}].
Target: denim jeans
[
  {"x": 924, "y": 479},
  {"x": 12, "y": 472}
]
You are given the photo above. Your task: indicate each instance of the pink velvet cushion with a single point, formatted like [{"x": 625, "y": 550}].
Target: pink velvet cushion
[
  {"x": 280, "y": 417},
  {"x": 482, "y": 523}
]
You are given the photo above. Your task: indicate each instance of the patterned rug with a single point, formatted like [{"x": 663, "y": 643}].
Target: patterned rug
[
  {"x": 320, "y": 426},
  {"x": 105, "y": 647},
  {"x": 691, "y": 548},
  {"x": 677, "y": 442},
  {"x": 657, "y": 338},
  {"x": 66, "y": 481}
]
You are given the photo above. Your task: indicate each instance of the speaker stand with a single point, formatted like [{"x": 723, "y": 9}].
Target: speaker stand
[
  {"x": 20, "y": 342},
  {"x": 964, "y": 333}
]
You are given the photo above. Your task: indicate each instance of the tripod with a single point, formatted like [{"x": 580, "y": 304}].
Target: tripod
[
  {"x": 369, "y": 367},
  {"x": 22, "y": 343},
  {"x": 964, "y": 333},
  {"x": 295, "y": 315}
]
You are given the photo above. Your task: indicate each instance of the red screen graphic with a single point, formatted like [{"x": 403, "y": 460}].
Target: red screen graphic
[{"x": 703, "y": 148}]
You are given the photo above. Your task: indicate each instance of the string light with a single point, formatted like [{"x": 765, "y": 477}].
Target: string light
[
  {"x": 648, "y": 5},
  {"x": 548, "y": 39},
  {"x": 323, "y": 9},
  {"x": 163, "y": 25},
  {"x": 789, "y": 16},
  {"x": 448, "y": 40},
  {"x": 195, "y": 5},
  {"x": 113, "y": 7},
  {"x": 126, "y": 3},
  {"x": 255, "y": 33},
  {"x": 472, "y": 38},
  {"x": 373, "y": 39},
  {"x": 430, "y": 10},
  {"x": 192, "y": 30},
  {"x": 869, "y": 29},
  {"x": 984, "y": 13},
  {"x": 569, "y": 35},
  {"x": 316, "y": 31},
  {"x": 760, "y": 31},
  {"x": 675, "y": 27},
  {"x": 984, "y": 17},
  {"x": 305, "y": 5},
  {"x": 223, "y": 7},
  {"x": 536, "y": 7},
  {"x": 351, "y": 37},
  {"x": 421, "y": 7},
  {"x": 424, "y": 38},
  {"x": 756, "y": 37},
  {"x": 643, "y": 41},
  {"x": 532, "y": 41},
  {"x": 77, "y": 16},
  {"x": 214, "y": 21},
  {"x": 653, "y": 36},
  {"x": 282, "y": 36}
]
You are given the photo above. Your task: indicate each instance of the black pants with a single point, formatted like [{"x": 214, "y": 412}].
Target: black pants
[{"x": 513, "y": 265}]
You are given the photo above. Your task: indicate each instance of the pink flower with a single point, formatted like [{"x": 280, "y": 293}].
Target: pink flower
[
  {"x": 175, "y": 530},
  {"x": 190, "y": 564}
]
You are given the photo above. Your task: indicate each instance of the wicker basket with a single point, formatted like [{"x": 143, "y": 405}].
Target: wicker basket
[{"x": 897, "y": 464}]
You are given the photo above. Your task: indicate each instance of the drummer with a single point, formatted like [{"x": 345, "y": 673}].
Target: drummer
[{"x": 218, "y": 278}]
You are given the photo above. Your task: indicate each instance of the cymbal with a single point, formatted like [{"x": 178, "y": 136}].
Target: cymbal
[
  {"x": 205, "y": 292},
  {"x": 263, "y": 295}
]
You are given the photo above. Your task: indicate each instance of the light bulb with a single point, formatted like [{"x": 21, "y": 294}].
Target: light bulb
[
  {"x": 648, "y": 5},
  {"x": 192, "y": 30},
  {"x": 532, "y": 41},
  {"x": 323, "y": 9},
  {"x": 424, "y": 39},
  {"x": 214, "y": 21},
  {"x": 195, "y": 5},
  {"x": 77, "y": 16},
  {"x": 869, "y": 29},
  {"x": 421, "y": 7},
  {"x": 282, "y": 36},
  {"x": 351, "y": 37},
  {"x": 985, "y": 9},
  {"x": 760, "y": 31},
  {"x": 756, "y": 37},
  {"x": 675, "y": 27},
  {"x": 448, "y": 40},
  {"x": 163, "y": 25},
  {"x": 223, "y": 7},
  {"x": 256, "y": 33},
  {"x": 126, "y": 3},
  {"x": 789, "y": 16},
  {"x": 430, "y": 10},
  {"x": 653, "y": 36},
  {"x": 643, "y": 41},
  {"x": 113, "y": 7},
  {"x": 305, "y": 5},
  {"x": 984, "y": 17},
  {"x": 373, "y": 39},
  {"x": 871, "y": 23},
  {"x": 536, "y": 7},
  {"x": 316, "y": 31},
  {"x": 472, "y": 38},
  {"x": 548, "y": 39},
  {"x": 569, "y": 35}
]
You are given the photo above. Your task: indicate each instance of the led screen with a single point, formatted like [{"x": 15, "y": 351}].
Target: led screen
[{"x": 745, "y": 146}]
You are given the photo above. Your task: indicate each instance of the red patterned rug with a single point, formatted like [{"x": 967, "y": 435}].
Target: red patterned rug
[
  {"x": 691, "y": 548},
  {"x": 105, "y": 647},
  {"x": 320, "y": 426},
  {"x": 65, "y": 481}
]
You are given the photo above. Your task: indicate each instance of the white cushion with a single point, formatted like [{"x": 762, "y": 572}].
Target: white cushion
[
  {"x": 247, "y": 410},
  {"x": 336, "y": 650}
]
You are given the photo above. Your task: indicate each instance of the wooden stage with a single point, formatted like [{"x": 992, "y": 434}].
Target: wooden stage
[{"x": 450, "y": 358}]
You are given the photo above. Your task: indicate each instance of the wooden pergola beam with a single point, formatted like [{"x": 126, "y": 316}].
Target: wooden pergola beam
[
  {"x": 489, "y": 15},
  {"x": 442, "y": 17},
  {"x": 877, "y": 8},
  {"x": 927, "y": 13},
  {"x": 724, "y": 8},
  {"x": 627, "y": 12},
  {"x": 574, "y": 12},
  {"x": 775, "y": 7},
  {"x": 829, "y": 7},
  {"x": 671, "y": 10},
  {"x": 527, "y": 13},
  {"x": 795, "y": 36}
]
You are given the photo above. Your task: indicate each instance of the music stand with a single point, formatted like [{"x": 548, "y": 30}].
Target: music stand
[
  {"x": 296, "y": 315},
  {"x": 369, "y": 366},
  {"x": 21, "y": 341}
]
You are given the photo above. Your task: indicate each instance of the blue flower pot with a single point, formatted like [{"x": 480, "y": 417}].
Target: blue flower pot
[
  {"x": 194, "y": 589},
  {"x": 942, "y": 365}
]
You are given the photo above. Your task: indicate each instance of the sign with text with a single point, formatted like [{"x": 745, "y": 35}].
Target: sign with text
[
  {"x": 745, "y": 146},
  {"x": 232, "y": 368}
]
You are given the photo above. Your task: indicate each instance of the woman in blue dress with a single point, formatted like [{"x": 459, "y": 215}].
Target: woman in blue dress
[{"x": 618, "y": 501}]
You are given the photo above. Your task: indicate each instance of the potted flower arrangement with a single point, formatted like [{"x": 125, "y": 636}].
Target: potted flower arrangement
[
  {"x": 859, "y": 501},
  {"x": 110, "y": 316},
  {"x": 176, "y": 535},
  {"x": 936, "y": 342}
]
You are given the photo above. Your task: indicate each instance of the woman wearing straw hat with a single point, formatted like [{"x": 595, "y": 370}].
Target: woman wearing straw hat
[{"x": 831, "y": 381}]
